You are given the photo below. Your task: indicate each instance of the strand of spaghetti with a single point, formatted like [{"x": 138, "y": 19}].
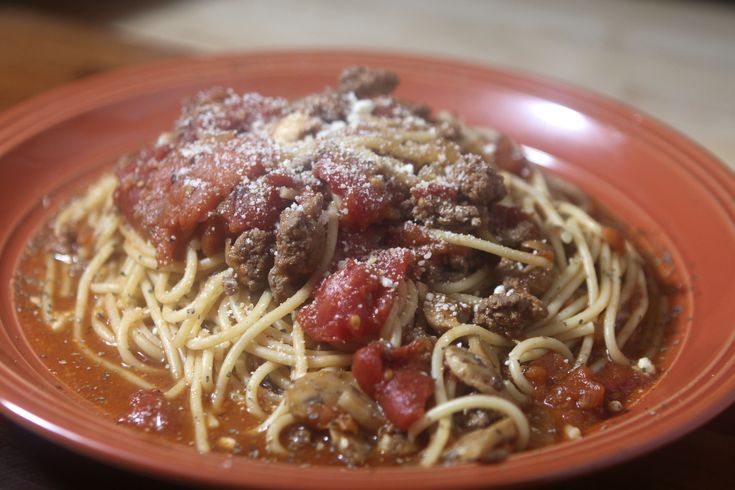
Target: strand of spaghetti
[
  {"x": 189, "y": 367},
  {"x": 611, "y": 313},
  {"x": 145, "y": 345},
  {"x": 584, "y": 351},
  {"x": 93, "y": 198},
  {"x": 197, "y": 410},
  {"x": 469, "y": 402},
  {"x": 102, "y": 330},
  {"x": 278, "y": 378},
  {"x": 137, "y": 241},
  {"x": 90, "y": 271},
  {"x": 515, "y": 393},
  {"x": 145, "y": 333},
  {"x": 239, "y": 313},
  {"x": 543, "y": 201},
  {"x": 105, "y": 287},
  {"x": 242, "y": 326},
  {"x": 572, "y": 308},
  {"x": 636, "y": 315},
  {"x": 463, "y": 285},
  {"x": 112, "y": 367},
  {"x": 581, "y": 331},
  {"x": 299, "y": 348},
  {"x": 562, "y": 280},
  {"x": 561, "y": 299},
  {"x": 273, "y": 435},
  {"x": 198, "y": 308},
  {"x": 213, "y": 286},
  {"x": 224, "y": 315},
  {"x": 172, "y": 355},
  {"x": 176, "y": 389},
  {"x": 631, "y": 279},
  {"x": 107, "y": 227},
  {"x": 129, "y": 317},
  {"x": 548, "y": 343},
  {"x": 560, "y": 254},
  {"x": 207, "y": 369},
  {"x": 139, "y": 258},
  {"x": 286, "y": 348},
  {"x": 553, "y": 220},
  {"x": 553, "y": 296},
  {"x": 285, "y": 308},
  {"x": 603, "y": 297},
  {"x": 587, "y": 261},
  {"x": 469, "y": 241},
  {"x": 209, "y": 263},
  {"x": 130, "y": 288},
  {"x": 279, "y": 410},
  {"x": 539, "y": 182},
  {"x": 315, "y": 362},
  {"x": 585, "y": 219},
  {"x": 253, "y": 385},
  {"x": 185, "y": 283},
  {"x": 113, "y": 315}
]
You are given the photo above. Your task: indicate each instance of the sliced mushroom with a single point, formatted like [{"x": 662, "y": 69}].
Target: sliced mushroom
[
  {"x": 480, "y": 445},
  {"x": 443, "y": 312},
  {"x": 312, "y": 398},
  {"x": 396, "y": 444},
  {"x": 471, "y": 370},
  {"x": 364, "y": 410},
  {"x": 352, "y": 447}
]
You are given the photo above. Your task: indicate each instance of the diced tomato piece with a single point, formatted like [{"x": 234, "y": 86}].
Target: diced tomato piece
[
  {"x": 357, "y": 243},
  {"x": 367, "y": 195},
  {"x": 580, "y": 389},
  {"x": 352, "y": 304},
  {"x": 404, "y": 396},
  {"x": 397, "y": 379},
  {"x": 256, "y": 204},
  {"x": 367, "y": 367}
]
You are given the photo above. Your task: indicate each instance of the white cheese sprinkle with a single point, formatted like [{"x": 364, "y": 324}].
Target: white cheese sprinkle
[
  {"x": 645, "y": 366},
  {"x": 571, "y": 432}
]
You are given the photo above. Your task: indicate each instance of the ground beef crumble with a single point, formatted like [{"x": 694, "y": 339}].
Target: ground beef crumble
[{"x": 510, "y": 310}]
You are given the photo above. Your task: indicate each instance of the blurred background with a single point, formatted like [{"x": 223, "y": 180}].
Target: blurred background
[{"x": 672, "y": 59}]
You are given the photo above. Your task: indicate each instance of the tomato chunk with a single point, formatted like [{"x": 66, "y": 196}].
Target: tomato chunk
[
  {"x": 368, "y": 194},
  {"x": 352, "y": 304},
  {"x": 256, "y": 203},
  {"x": 397, "y": 379}
]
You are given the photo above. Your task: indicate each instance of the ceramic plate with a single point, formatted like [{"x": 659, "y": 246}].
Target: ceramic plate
[{"x": 674, "y": 195}]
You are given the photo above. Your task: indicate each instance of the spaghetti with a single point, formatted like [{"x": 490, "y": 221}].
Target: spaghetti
[{"x": 350, "y": 269}]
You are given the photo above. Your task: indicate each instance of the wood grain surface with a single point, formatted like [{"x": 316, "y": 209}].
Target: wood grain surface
[{"x": 38, "y": 52}]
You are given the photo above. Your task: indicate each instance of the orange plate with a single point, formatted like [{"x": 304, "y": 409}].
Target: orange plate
[{"x": 646, "y": 174}]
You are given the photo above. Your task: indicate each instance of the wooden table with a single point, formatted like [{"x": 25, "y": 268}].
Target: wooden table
[{"x": 37, "y": 53}]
